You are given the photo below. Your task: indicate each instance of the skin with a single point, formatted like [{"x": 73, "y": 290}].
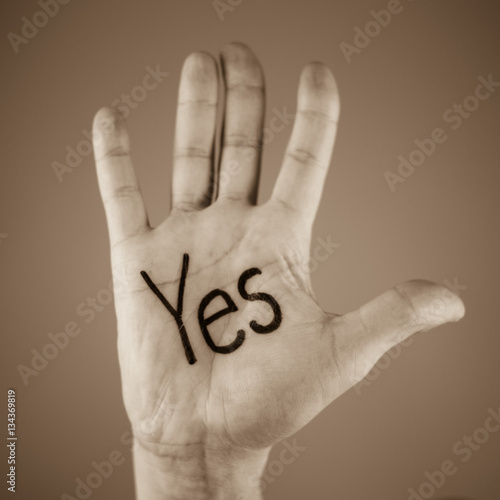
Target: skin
[{"x": 204, "y": 430}]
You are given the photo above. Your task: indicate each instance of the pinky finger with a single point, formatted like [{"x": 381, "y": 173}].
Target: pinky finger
[{"x": 123, "y": 203}]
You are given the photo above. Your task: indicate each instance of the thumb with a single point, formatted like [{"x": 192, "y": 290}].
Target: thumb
[{"x": 364, "y": 335}]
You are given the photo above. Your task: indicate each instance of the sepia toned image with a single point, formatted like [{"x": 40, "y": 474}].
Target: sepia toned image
[{"x": 249, "y": 249}]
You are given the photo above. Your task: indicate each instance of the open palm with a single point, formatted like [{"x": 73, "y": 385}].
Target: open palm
[{"x": 221, "y": 341}]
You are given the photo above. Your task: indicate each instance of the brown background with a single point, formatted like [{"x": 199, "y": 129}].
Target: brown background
[{"x": 441, "y": 224}]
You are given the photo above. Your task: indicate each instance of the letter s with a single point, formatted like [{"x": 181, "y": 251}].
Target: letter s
[{"x": 275, "y": 323}]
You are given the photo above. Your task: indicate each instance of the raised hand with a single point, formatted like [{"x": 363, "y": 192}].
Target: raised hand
[{"x": 223, "y": 349}]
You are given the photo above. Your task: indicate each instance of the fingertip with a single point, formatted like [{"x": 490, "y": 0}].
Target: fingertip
[
  {"x": 236, "y": 51},
  {"x": 199, "y": 80},
  {"x": 108, "y": 113},
  {"x": 318, "y": 74},
  {"x": 109, "y": 132},
  {"x": 455, "y": 306},
  {"x": 434, "y": 304},
  {"x": 200, "y": 65},
  {"x": 108, "y": 120},
  {"x": 240, "y": 65},
  {"x": 317, "y": 82}
]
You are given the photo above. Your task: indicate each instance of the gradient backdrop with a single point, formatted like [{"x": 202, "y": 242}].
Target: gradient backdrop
[{"x": 441, "y": 223}]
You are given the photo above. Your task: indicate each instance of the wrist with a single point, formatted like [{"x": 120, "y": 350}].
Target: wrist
[{"x": 197, "y": 472}]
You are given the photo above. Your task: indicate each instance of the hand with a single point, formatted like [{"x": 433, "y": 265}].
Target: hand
[{"x": 207, "y": 396}]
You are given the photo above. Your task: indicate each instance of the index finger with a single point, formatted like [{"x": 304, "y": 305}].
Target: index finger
[{"x": 309, "y": 150}]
